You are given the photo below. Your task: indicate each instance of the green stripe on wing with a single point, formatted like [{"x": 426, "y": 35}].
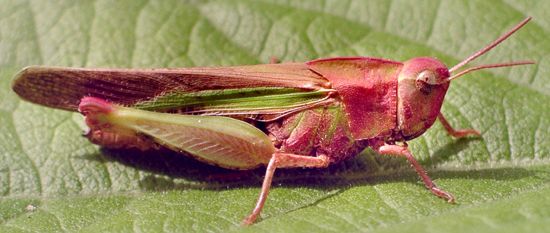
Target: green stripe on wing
[{"x": 251, "y": 100}]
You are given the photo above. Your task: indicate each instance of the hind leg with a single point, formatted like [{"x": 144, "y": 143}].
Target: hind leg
[{"x": 282, "y": 160}]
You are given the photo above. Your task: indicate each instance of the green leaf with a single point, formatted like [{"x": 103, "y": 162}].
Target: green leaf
[{"x": 52, "y": 179}]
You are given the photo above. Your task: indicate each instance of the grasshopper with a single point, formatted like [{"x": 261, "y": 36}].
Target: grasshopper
[{"x": 283, "y": 115}]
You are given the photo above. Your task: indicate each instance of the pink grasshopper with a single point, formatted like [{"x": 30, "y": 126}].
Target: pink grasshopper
[{"x": 281, "y": 115}]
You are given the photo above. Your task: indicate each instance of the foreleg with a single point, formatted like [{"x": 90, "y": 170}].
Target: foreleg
[{"x": 457, "y": 133}]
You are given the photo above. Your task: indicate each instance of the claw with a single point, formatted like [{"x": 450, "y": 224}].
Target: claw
[
  {"x": 249, "y": 220},
  {"x": 443, "y": 194}
]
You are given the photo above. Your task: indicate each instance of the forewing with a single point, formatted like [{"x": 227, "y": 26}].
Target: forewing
[{"x": 64, "y": 87}]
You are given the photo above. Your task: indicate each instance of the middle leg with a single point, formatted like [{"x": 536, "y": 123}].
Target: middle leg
[{"x": 404, "y": 151}]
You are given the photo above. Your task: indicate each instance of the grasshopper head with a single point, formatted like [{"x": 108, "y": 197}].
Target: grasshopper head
[
  {"x": 421, "y": 88},
  {"x": 423, "y": 82}
]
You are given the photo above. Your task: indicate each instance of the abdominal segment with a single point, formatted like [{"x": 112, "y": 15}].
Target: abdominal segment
[{"x": 314, "y": 132}]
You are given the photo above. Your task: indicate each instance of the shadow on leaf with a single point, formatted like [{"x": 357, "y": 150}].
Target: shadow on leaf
[
  {"x": 444, "y": 153},
  {"x": 168, "y": 170}
]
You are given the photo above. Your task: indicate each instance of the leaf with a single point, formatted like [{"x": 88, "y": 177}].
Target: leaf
[{"x": 51, "y": 179}]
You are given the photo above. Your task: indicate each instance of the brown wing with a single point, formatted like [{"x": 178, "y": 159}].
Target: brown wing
[{"x": 61, "y": 87}]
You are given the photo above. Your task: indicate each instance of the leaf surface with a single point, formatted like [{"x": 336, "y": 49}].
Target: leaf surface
[{"x": 52, "y": 179}]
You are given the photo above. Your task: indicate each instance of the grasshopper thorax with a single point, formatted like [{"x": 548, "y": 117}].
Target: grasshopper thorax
[{"x": 420, "y": 92}]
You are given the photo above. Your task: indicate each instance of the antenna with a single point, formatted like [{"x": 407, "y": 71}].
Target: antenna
[
  {"x": 481, "y": 67},
  {"x": 490, "y": 46}
]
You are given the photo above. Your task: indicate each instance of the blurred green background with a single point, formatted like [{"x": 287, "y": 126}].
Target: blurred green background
[{"x": 53, "y": 180}]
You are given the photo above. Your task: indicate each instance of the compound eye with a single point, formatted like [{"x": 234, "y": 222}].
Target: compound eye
[
  {"x": 427, "y": 76},
  {"x": 425, "y": 80}
]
